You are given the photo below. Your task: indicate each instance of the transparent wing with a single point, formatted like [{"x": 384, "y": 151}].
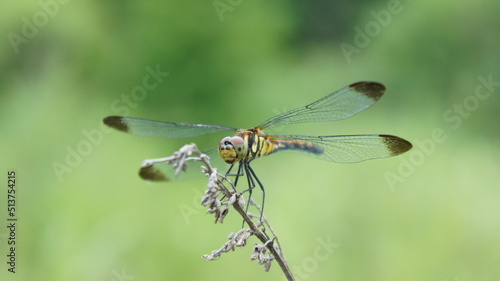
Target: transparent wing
[
  {"x": 350, "y": 148},
  {"x": 152, "y": 128},
  {"x": 339, "y": 105}
]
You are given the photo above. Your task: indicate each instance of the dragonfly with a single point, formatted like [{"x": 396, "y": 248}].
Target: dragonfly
[{"x": 247, "y": 145}]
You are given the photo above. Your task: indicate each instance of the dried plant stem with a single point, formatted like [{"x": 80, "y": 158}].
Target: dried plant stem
[
  {"x": 218, "y": 198},
  {"x": 236, "y": 200},
  {"x": 264, "y": 238}
]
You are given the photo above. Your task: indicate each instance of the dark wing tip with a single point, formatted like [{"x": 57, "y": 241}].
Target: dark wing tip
[
  {"x": 150, "y": 173},
  {"x": 372, "y": 90},
  {"x": 116, "y": 122},
  {"x": 396, "y": 145}
]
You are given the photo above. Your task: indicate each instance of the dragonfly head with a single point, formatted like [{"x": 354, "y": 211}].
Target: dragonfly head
[{"x": 232, "y": 149}]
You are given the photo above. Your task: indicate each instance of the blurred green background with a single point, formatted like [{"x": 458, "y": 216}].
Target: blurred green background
[{"x": 84, "y": 214}]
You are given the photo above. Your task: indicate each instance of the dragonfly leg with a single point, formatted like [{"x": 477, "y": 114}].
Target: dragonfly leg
[
  {"x": 241, "y": 172},
  {"x": 237, "y": 175},
  {"x": 251, "y": 174},
  {"x": 244, "y": 168},
  {"x": 251, "y": 186}
]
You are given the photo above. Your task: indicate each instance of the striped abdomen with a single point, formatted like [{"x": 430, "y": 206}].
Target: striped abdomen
[
  {"x": 297, "y": 145},
  {"x": 260, "y": 144}
]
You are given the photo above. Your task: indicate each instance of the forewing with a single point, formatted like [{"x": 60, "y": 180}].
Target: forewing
[
  {"x": 152, "y": 128},
  {"x": 352, "y": 148},
  {"x": 339, "y": 105}
]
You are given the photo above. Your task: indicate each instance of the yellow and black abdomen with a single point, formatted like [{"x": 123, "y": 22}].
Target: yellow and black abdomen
[
  {"x": 296, "y": 145},
  {"x": 260, "y": 144}
]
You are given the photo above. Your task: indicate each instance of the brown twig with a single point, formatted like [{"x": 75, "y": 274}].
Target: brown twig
[{"x": 218, "y": 198}]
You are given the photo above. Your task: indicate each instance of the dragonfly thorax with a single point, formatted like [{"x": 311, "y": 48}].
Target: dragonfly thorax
[{"x": 232, "y": 149}]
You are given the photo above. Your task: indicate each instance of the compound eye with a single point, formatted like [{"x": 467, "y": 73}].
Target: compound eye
[
  {"x": 238, "y": 143},
  {"x": 225, "y": 141},
  {"x": 237, "y": 140}
]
